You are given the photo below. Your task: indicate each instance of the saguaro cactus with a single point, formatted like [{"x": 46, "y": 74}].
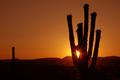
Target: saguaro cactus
[
  {"x": 13, "y": 55},
  {"x": 82, "y": 63}
]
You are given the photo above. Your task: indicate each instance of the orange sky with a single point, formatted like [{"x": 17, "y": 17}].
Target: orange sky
[{"x": 38, "y": 28}]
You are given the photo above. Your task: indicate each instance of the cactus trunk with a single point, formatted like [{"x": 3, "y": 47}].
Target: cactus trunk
[{"x": 86, "y": 11}]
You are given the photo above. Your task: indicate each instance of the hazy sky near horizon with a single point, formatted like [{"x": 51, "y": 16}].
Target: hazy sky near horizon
[{"x": 38, "y": 28}]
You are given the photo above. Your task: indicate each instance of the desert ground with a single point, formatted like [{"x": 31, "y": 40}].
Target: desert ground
[{"x": 108, "y": 68}]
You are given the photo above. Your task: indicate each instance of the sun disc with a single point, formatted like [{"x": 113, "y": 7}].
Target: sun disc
[{"x": 77, "y": 53}]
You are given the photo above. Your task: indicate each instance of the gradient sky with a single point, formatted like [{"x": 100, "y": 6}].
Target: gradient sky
[{"x": 38, "y": 28}]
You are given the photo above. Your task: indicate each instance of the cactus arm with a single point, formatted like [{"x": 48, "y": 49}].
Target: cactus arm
[
  {"x": 80, "y": 35},
  {"x": 95, "y": 55},
  {"x": 71, "y": 38},
  {"x": 91, "y": 38}
]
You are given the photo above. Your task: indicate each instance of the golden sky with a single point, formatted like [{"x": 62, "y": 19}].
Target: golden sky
[{"x": 38, "y": 28}]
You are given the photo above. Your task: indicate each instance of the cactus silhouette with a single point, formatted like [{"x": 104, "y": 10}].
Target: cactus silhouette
[
  {"x": 82, "y": 63},
  {"x": 13, "y": 55}
]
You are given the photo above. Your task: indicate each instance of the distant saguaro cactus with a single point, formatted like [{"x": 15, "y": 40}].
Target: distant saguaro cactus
[
  {"x": 82, "y": 63},
  {"x": 13, "y": 55}
]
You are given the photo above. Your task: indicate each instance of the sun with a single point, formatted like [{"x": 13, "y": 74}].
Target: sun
[{"x": 77, "y": 53}]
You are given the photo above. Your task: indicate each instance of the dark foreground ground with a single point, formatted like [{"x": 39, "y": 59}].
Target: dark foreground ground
[{"x": 108, "y": 68}]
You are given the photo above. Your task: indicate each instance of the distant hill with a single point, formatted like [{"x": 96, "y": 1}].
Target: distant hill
[{"x": 67, "y": 61}]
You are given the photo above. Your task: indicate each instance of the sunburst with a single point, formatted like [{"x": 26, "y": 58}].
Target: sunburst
[{"x": 78, "y": 53}]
